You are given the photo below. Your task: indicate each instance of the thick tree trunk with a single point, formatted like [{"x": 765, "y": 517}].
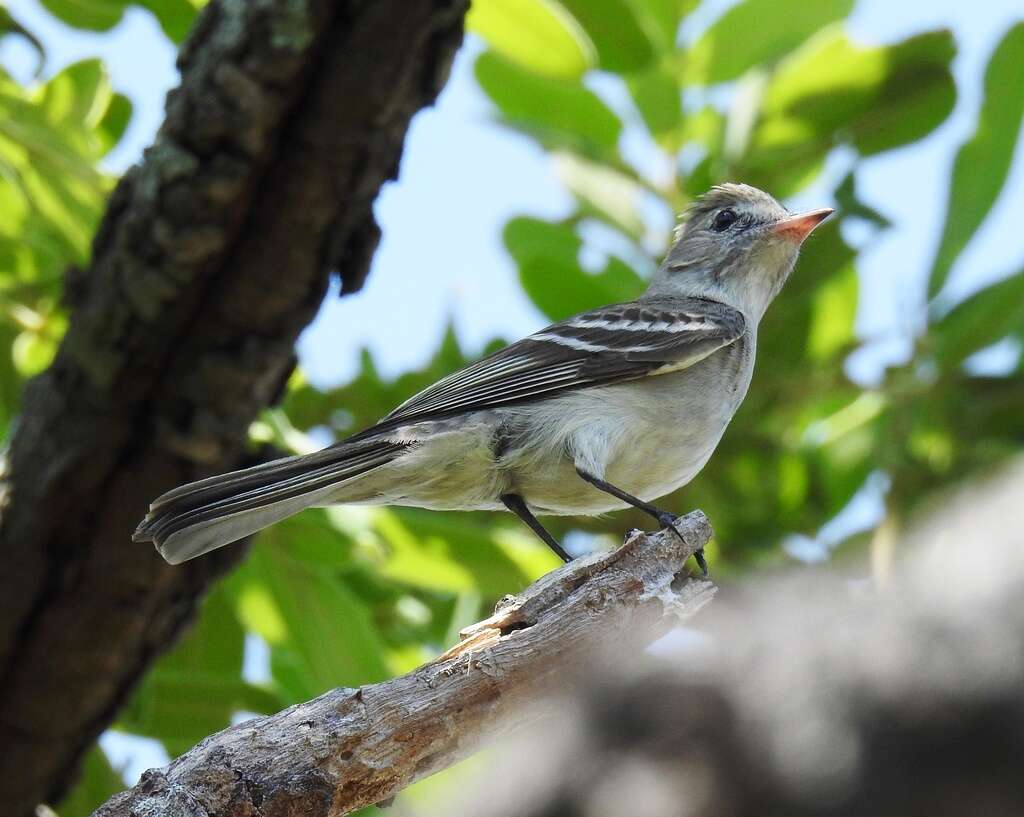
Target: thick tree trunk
[
  {"x": 354, "y": 747},
  {"x": 214, "y": 253}
]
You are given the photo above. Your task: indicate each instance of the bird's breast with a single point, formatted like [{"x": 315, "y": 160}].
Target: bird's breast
[{"x": 647, "y": 436}]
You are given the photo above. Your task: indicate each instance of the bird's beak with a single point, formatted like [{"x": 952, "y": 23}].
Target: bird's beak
[{"x": 797, "y": 228}]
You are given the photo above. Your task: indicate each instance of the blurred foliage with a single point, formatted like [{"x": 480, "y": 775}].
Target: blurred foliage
[
  {"x": 175, "y": 16},
  {"x": 771, "y": 92},
  {"x": 52, "y": 193}
]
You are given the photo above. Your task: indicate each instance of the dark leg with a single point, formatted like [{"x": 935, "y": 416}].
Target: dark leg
[
  {"x": 665, "y": 519},
  {"x": 515, "y": 503}
]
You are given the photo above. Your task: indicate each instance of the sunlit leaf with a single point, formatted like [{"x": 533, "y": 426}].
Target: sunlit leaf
[
  {"x": 560, "y": 110},
  {"x": 32, "y": 352},
  {"x": 833, "y": 314},
  {"x": 454, "y": 553},
  {"x": 980, "y": 320},
  {"x": 175, "y": 16},
  {"x": 539, "y": 35},
  {"x": 328, "y": 638},
  {"x": 114, "y": 123},
  {"x": 661, "y": 19},
  {"x": 612, "y": 25},
  {"x": 549, "y": 269},
  {"x": 754, "y": 32},
  {"x": 95, "y": 15},
  {"x": 833, "y": 90},
  {"x": 983, "y": 161},
  {"x": 826, "y": 262},
  {"x": 610, "y": 194}
]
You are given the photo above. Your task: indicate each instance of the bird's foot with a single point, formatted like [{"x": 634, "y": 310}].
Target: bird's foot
[
  {"x": 668, "y": 520},
  {"x": 702, "y": 563}
]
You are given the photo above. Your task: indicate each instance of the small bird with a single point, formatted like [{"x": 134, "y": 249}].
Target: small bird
[{"x": 612, "y": 408}]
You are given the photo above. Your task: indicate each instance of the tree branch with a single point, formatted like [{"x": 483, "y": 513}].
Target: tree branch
[
  {"x": 213, "y": 255},
  {"x": 809, "y": 695},
  {"x": 353, "y": 747}
]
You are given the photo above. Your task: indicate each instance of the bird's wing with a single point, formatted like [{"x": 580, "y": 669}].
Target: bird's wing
[{"x": 606, "y": 345}]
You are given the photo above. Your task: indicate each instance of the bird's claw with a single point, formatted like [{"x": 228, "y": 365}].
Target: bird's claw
[
  {"x": 702, "y": 563},
  {"x": 668, "y": 520}
]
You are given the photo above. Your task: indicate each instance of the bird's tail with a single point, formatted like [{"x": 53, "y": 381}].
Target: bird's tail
[{"x": 202, "y": 516}]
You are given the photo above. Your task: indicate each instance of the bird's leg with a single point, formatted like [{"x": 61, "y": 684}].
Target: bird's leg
[
  {"x": 665, "y": 518},
  {"x": 517, "y": 505}
]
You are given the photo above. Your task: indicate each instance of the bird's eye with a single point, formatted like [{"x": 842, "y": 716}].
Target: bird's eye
[{"x": 724, "y": 219}]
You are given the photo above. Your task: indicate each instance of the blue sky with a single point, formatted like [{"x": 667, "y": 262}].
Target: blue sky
[{"x": 462, "y": 177}]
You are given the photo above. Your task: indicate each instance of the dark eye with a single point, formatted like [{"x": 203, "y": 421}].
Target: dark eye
[{"x": 724, "y": 219}]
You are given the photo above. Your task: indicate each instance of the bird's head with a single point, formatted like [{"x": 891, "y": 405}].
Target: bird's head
[{"x": 735, "y": 244}]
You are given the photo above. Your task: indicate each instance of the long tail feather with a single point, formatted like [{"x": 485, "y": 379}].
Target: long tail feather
[{"x": 202, "y": 516}]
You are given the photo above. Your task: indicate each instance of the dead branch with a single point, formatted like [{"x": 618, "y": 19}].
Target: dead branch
[
  {"x": 809, "y": 696},
  {"x": 353, "y": 747}
]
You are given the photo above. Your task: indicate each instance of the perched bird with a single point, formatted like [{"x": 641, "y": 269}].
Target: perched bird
[{"x": 611, "y": 408}]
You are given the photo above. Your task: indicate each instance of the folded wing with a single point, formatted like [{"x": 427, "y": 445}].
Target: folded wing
[{"x": 614, "y": 343}]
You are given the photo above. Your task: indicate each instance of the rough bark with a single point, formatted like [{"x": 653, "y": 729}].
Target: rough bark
[
  {"x": 353, "y": 747},
  {"x": 213, "y": 255}
]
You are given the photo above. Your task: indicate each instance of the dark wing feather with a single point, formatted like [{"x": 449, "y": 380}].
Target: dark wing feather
[{"x": 614, "y": 343}]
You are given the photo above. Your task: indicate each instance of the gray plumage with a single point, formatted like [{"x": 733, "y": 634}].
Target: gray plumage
[{"x": 635, "y": 394}]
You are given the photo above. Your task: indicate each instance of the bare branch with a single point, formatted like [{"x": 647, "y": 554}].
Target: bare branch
[
  {"x": 353, "y": 747},
  {"x": 810, "y": 697}
]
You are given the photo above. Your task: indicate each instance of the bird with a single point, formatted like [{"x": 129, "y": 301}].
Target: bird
[{"x": 611, "y": 408}]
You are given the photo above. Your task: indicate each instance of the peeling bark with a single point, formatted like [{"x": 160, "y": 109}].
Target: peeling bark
[
  {"x": 214, "y": 253},
  {"x": 354, "y": 747}
]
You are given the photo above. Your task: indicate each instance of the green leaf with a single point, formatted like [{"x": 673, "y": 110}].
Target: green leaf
[
  {"x": 92, "y": 15},
  {"x": 549, "y": 268},
  {"x": 9, "y": 26},
  {"x": 180, "y": 709},
  {"x": 539, "y": 35},
  {"x": 979, "y": 321},
  {"x": 459, "y": 552},
  {"x": 918, "y": 95},
  {"x": 367, "y": 398},
  {"x": 832, "y": 315},
  {"x": 755, "y": 32},
  {"x": 114, "y": 123},
  {"x": 832, "y": 90},
  {"x": 98, "y": 781},
  {"x": 609, "y": 194},
  {"x": 320, "y": 633},
  {"x": 658, "y": 97},
  {"x": 195, "y": 689},
  {"x": 32, "y": 352},
  {"x": 793, "y": 326},
  {"x": 52, "y": 194},
  {"x": 851, "y": 205},
  {"x": 622, "y": 43},
  {"x": 983, "y": 161},
  {"x": 175, "y": 16},
  {"x": 560, "y": 111},
  {"x": 661, "y": 19}
]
